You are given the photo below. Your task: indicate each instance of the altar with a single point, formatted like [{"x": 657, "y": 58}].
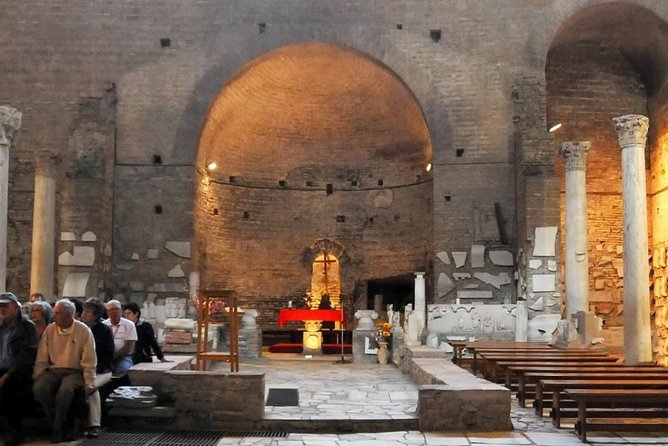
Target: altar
[
  {"x": 312, "y": 322},
  {"x": 293, "y": 314}
]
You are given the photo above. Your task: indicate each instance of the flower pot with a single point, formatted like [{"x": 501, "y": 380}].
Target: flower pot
[{"x": 383, "y": 353}]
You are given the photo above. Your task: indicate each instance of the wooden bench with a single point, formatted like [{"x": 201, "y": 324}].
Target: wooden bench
[
  {"x": 557, "y": 387},
  {"x": 491, "y": 370},
  {"x": 599, "y": 374},
  {"x": 513, "y": 368},
  {"x": 618, "y": 420},
  {"x": 458, "y": 347}
]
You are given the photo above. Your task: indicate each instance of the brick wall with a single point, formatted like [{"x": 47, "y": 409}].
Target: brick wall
[{"x": 587, "y": 87}]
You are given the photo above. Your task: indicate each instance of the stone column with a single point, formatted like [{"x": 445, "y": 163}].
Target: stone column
[
  {"x": 417, "y": 318},
  {"x": 10, "y": 122},
  {"x": 574, "y": 154},
  {"x": 632, "y": 134},
  {"x": 43, "y": 227}
]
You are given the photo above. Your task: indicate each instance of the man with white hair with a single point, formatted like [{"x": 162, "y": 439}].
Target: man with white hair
[
  {"x": 125, "y": 336},
  {"x": 65, "y": 363}
]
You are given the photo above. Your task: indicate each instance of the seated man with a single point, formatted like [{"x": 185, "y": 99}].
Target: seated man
[
  {"x": 93, "y": 309},
  {"x": 18, "y": 347},
  {"x": 65, "y": 363},
  {"x": 125, "y": 336}
]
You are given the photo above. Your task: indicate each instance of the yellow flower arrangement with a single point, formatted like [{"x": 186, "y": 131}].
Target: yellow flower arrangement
[{"x": 383, "y": 332}]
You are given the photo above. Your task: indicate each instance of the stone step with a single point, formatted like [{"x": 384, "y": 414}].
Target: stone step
[{"x": 338, "y": 426}]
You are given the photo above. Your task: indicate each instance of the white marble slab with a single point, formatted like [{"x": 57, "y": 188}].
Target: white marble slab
[
  {"x": 444, "y": 257},
  {"x": 80, "y": 256},
  {"x": 68, "y": 237},
  {"x": 544, "y": 241},
  {"x": 459, "y": 257},
  {"x": 445, "y": 284},
  {"x": 75, "y": 285},
  {"x": 502, "y": 258},
  {"x": 181, "y": 249},
  {"x": 464, "y": 294},
  {"x": 477, "y": 256},
  {"x": 88, "y": 236},
  {"x": 544, "y": 282}
]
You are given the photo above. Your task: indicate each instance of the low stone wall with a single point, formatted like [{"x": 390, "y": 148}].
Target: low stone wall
[
  {"x": 214, "y": 400},
  {"x": 193, "y": 399},
  {"x": 452, "y": 399}
]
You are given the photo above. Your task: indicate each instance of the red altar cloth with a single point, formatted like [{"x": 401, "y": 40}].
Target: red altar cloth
[{"x": 308, "y": 315}]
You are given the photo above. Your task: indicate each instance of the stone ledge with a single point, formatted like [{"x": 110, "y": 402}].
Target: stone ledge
[
  {"x": 452, "y": 399},
  {"x": 152, "y": 412}
]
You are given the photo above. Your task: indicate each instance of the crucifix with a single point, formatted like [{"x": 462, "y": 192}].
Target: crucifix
[{"x": 325, "y": 261}]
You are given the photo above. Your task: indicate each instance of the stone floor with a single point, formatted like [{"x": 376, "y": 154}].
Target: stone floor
[{"x": 330, "y": 392}]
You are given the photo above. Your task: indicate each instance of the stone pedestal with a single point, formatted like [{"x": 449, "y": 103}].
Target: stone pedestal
[
  {"x": 360, "y": 341},
  {"x": 632, "y": 133},
  {"x": 589, "y": 328},
  {"x": 364, "y": 331},
  {"x": 521, "y": 321},
  {"x": 10, "y": 122}
]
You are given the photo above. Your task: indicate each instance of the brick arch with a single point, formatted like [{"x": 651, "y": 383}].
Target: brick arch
[
  {"x": 417, "y": 80},
  {"x": 328, "y": 245},
  {"x": 544, "y": 32}
]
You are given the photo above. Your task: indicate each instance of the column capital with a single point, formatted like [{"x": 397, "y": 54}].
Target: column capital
[
  {"x": 574, "y": 154},
  {"x": 631, "y": 130},
  {"x": 45, "y": 165}
]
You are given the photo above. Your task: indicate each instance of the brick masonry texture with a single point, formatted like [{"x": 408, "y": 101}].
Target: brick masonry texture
[{"x": 120, "y": 92}]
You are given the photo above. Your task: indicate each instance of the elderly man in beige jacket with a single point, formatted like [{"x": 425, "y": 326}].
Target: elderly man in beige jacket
[{"x": 65, "y": 363}]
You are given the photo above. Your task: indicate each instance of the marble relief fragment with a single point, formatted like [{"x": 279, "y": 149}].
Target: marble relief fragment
[
  {"x": 551, "y": 265},
  {"x": 501, "y": 258},
  {"x": 177, "y": 271},
  {"x": 461, "y": 276},
  {"x": 477, "y": 256},
  {"x": 543, "y": 282},
  {"x": 88, "y": 236},
  {"x": 544, "y": 241},
  {"x": 444, "y": 257},
  {"x": 75, "y": 285},
  {"x": 535, "y": 263},
  {"x": 68, "y": 237},
  {"x": 80, "y": 256},
  {"x": 459, "y": 257},
  {"x": 181, "y": 249}
]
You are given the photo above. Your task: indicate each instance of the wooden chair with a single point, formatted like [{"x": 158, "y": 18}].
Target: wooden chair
[{"x": 227, "y": 305}]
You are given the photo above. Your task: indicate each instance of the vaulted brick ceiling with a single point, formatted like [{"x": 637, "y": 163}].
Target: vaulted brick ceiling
[
  {"x": 311, "y": 105},
  {"x": 638, "y": 32}
]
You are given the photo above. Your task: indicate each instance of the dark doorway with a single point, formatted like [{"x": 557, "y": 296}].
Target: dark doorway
[{"x": 397, "y": 290}]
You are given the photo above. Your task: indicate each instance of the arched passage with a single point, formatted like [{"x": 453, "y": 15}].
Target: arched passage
[
  {"x": 605, "y": 61},
  {"x": 311, "y": 140}
]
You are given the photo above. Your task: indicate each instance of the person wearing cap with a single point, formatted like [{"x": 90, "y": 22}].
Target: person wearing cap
[
  {"x": 18, "y": 347},
  {"x": 125, "y": 336},
  {"x": 65, "y": 364}
]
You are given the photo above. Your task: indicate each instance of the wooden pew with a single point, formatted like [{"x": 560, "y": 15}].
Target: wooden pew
[
  {"x": 514, "y": 368},
  {"x": 621, "y": 398},
  {"x": 491, "y": 371},
  {"x": 599, "y": 373},
  {"x": 556, "y": 387},
  {"x": 458, "y": 347}
]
